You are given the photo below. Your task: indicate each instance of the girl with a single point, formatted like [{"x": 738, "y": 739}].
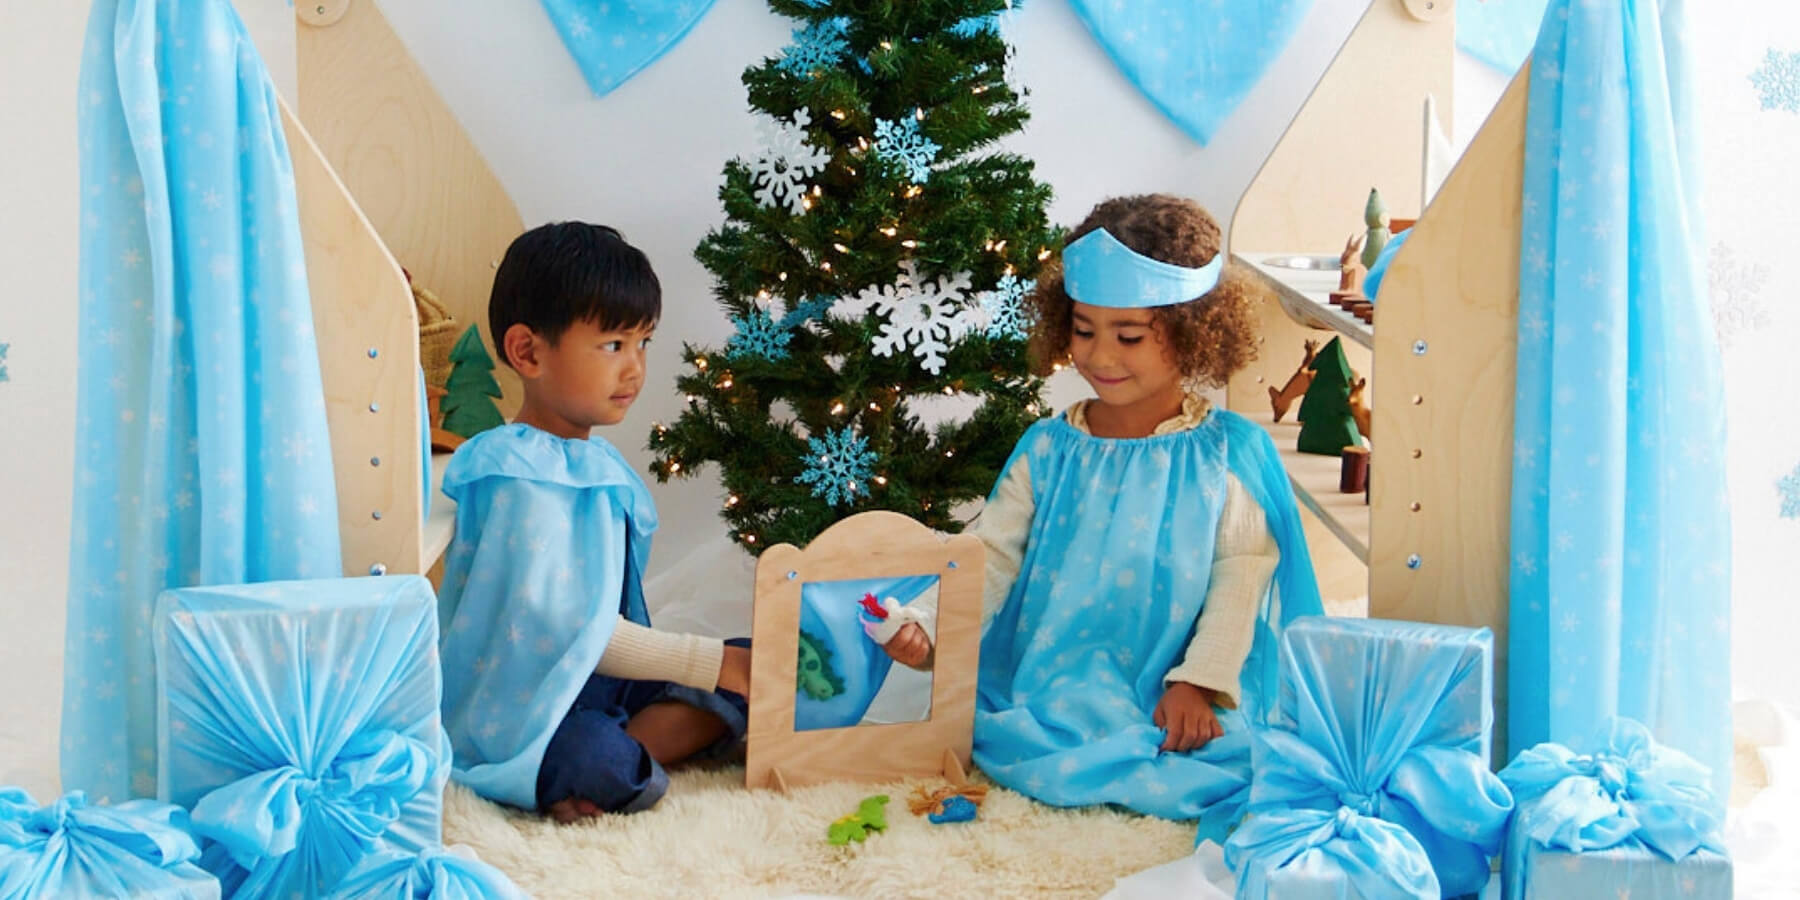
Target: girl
[{"x": 1139, "y": 544}]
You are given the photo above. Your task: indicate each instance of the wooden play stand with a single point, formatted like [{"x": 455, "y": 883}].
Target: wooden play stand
[
  {"x": 867, "y": 545},
  {"x": 1432, "y": 545}
]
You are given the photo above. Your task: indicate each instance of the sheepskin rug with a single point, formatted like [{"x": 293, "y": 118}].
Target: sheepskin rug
[{"x": 710, "y": 837}]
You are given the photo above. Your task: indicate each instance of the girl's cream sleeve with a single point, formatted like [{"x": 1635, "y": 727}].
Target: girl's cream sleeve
[
  {"x": 1244, "y": 558},
  {"x": 1003, "y": 526}
]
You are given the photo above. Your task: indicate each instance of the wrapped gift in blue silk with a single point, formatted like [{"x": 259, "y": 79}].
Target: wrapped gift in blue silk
[
  {"x": 435, "y": 874},
  {"x": 299, "y": 721},
  {"x": 137, "y": 849},
  {"x": 832, "y": 616},
  {"x": 1374, "y": 780},
  {"x": 1617, "y": 815}
]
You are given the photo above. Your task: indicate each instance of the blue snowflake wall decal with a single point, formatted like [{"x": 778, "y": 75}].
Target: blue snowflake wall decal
[
  {"x": 1789, "y": 489},
  {"x": 758, "y": 335},
  {"x": 1004, "y": 307},
  {"x": 817, "y": 46},
  {"x": 902, "y": 142},
  {"x": 838, "y": 467},
  {"x": 3, "y": 349},
  {"x": 1778, "y": 81}
]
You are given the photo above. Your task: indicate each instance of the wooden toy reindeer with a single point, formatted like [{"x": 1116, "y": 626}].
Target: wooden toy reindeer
[
  {"x": 1350, "y": 268},
  {"x": 1296, "y": 386},
  {"x": 1358, "y": 409}
]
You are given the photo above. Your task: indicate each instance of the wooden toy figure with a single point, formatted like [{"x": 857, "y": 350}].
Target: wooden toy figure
[
  {"x": 1350, "y": 272},
  {"x": 1296, "y": 386},
  {"x": 1375, "y": 215},
  {"x": 1326, "y": 426},
  {"x": 1359, "y": 410}
]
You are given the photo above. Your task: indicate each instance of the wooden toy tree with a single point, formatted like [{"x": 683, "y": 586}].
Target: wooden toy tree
[
  {"x": 1326, "y": 423},
  {"x": 469, "y": 394}
]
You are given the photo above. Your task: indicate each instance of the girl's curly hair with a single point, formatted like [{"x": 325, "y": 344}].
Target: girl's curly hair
[{"x": 1210, "y": 337}]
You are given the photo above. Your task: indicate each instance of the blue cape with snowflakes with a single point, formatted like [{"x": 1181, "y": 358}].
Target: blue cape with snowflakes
[
  {"x": 551, "y": 539},
  {"x": 1115, "y": 574},
  {"x": 842, "y": 666}
]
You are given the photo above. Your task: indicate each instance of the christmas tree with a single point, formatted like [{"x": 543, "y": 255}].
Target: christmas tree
[
  {"x": 876, "y": 253},
  {"x": 468, "y": 402},
  {"x": 1326, "y": 425}
]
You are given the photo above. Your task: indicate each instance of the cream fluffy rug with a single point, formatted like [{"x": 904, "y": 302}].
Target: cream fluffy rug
[{"x": 710, "y": 837}]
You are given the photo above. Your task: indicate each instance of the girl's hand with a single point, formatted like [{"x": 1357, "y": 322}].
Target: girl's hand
[
  {"x": 910, "y": 647},
  {"x": 1186, "y": 716}
]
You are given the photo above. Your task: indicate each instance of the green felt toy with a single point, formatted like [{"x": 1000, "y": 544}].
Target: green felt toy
[
  {"x": 1326, "y": 424},
  {"x": 870, "y": 815},
  {"x": 815, "y": 676}
]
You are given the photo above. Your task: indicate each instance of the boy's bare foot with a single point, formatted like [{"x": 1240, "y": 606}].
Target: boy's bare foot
[{"x": 570, "y": 809}]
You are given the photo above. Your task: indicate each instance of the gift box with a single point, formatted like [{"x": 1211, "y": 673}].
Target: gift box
[
  {"x": 139, "y": 848},
  {"x": 299, "y": 721},
  {"x": 1613, "y": 815},
  {"x": 1373, "y": 779},
  {"x": 439, "y": 872}
]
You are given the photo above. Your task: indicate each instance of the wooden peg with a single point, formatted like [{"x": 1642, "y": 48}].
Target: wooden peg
[{"x": 1354, "y": 476}]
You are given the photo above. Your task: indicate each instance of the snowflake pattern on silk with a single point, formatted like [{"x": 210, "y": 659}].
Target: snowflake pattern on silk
[
  {"x": 817, "y": 46},
  {"x": 1003, "y": 308},
  {"x": 1778, "y": 81},
  {"x": 759, "y": 335},
  {"x": 902, "y": 142},
  {"x": 1736, "y": 289},
  {"x": 787, "y": 160},
  {"x": 1789, "y": 489},
  {"x": 838, "y": 467},
  {"x": 922, "y": 315}
]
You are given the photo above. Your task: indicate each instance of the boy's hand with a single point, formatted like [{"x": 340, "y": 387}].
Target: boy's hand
[
  {"x": 734, "y": 671},
  {"x": 910, "y": 647},
  {"x": 1186, "y": 716}
]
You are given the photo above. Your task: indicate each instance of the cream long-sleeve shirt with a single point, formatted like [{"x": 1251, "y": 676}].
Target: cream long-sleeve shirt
[{"x": 1244, "y": 558}]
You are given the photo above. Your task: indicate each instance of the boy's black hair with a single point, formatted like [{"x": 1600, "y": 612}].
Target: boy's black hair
[{"x": 566, "y": 272}]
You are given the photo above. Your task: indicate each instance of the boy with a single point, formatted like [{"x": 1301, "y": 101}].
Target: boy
[{"x": 558, "y": 696}]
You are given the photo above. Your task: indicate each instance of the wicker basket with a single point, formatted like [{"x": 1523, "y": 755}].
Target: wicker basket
[{"x": 437, "y": 334}]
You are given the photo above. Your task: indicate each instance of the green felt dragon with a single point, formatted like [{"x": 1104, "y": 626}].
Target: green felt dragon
[
  {"x": 870, "y": 815},
  {"x": 816, "y": 678}
]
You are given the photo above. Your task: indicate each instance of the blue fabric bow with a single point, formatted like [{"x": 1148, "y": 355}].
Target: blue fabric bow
[
  {"x": 1387, "y": 720},
  {"x": 1374, "y": 857},
  {"x": 1624, "y": 790},
  {"x": 72, "y": 849},
  {"x": 433, "y": 873},
  {"x": 261, "y": 816}
]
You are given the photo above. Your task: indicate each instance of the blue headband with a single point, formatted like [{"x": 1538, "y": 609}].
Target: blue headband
[{"x": 1100, "y": 271}]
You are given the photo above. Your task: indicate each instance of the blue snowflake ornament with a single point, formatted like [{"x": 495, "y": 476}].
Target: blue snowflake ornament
[
  {"x": 1778, "y": 81},
  {"x": 758, "y": 335},
  {"x": 1789, "y": 489},
  {"x": 1004, "y": 307},
  {"x": 817, "y": 46},
  {"x": 902, "y": 142},
  {"x": 974, "y": 25},
  {"x": 838, "y": 467},
  {"x": 806, "y": 311}
]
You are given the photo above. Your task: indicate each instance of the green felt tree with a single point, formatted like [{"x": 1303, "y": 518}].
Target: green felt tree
[
  {"x": 1326, "y": 425},
  {"x": 875, "y": 260},
  {"x": 468, "y": 401}
]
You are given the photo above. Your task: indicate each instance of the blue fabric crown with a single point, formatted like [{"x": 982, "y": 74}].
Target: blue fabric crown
[{"x": 1100, "y": 271}]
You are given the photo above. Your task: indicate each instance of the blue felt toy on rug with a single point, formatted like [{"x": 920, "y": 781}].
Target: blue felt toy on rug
[{"x": 842, "y": 663}]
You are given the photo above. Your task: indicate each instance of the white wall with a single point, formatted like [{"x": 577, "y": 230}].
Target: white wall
[{"x": 646, "y": 158}]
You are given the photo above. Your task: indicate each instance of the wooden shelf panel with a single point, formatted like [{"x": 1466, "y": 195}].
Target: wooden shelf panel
[
  {"x": 1305, "y": 295},
  {"x": 1315, "y": 480}
]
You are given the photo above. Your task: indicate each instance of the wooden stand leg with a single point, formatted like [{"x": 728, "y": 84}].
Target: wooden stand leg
[
  {"x": 953, "y": 769},
  {"x": 777, "y": 782}
]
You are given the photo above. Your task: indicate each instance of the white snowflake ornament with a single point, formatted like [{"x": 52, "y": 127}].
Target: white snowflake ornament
[
  {"x": 788, "y": 160},
  {"x": 921, "y": 315}
]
